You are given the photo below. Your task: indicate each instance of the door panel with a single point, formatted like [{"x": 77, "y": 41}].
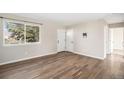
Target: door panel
[
  {"x": 69, "y": 40},
  {"x": 118, "y": 38},
  {"x": 61, "y": 40},
  {"x": 117, "y": 41}
]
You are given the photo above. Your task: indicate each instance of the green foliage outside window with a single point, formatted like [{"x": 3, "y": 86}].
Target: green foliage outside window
[
  {"x": 32, "y": 33},
  {"x": 17, "y": 33}
]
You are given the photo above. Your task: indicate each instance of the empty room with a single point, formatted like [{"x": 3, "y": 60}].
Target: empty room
[{"x": 61, "y": 46}]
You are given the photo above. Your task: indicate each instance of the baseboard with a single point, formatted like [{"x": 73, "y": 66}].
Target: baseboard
[
  {"x": 23, "y": 59},
  {"x": 101, "y": 58}
]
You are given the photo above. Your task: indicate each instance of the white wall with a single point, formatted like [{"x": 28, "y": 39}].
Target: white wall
[
  {"x": 48, "y": 43},
  {"x": 94, "y": 45}
]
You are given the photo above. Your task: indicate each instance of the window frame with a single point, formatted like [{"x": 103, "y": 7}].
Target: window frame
[{"x": 24, "y": 23}]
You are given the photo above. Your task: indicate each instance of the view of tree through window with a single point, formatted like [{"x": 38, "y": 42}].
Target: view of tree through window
[
  {"x": 19, "y": 33},
  {"x": 32, "y": 33},
  {"x": 14, "y": 33}
]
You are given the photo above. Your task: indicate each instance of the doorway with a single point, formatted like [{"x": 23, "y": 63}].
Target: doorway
[{"x": 117, "y": 41}]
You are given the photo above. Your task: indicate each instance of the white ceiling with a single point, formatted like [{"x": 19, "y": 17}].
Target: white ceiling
[
  {"x": 74, "y": 18},
  {"x": 115, "y": 18}
]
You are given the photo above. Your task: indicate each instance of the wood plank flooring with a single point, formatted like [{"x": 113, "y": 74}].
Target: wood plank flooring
[{"x": 65, "y": 65}]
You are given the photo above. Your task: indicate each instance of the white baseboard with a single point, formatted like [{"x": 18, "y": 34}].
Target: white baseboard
[
  {"x": 22, "y": 59},
  {"x": 101, "y": 58}
]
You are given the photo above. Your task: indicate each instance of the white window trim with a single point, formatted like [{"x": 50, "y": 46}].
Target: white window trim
[{"x": 25, "y": 23}]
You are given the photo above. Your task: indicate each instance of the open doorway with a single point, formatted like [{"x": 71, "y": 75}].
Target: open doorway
[{"x": 117, "y": 41}]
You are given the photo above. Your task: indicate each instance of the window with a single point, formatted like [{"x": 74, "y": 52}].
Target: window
[
  {"x": 32, "y": 33},
  {"x": 16, "y": 33}
]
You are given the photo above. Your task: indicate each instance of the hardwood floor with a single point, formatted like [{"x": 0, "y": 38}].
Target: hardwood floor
[{"x": 65, "y": 65}]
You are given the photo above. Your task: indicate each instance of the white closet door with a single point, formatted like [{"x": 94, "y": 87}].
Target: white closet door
[
  {"x": 118, "y": 38},
  {"x": 70, "y": 40},
  {"x": 61, "y": 40}
]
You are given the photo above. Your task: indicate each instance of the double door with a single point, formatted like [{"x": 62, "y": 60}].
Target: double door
[{"x": 65, "y": 40}]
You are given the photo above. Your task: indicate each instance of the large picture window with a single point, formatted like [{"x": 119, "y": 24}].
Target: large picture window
[{"x": 16, "y": 33}]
